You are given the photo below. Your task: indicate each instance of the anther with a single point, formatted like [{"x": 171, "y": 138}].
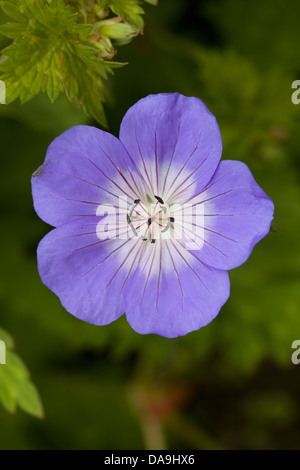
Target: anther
[
  {"x": 159, "y": 199},
  {"x": 149, "y": 221},
  {"x": 171, "y": 219},
  {"x": 136, "y": 201}
]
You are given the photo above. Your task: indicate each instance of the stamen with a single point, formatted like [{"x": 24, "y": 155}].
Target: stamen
[
  {"x": 159, "y": 199},
  {"x": 166, "y": 227},
  {"x": 152, "y": 218}
]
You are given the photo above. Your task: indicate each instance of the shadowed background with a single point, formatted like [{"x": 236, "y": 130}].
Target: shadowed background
[{"x": 231, "y": 384}]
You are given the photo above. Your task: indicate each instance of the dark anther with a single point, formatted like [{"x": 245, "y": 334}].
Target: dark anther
[
  {"x": 159, "y": 199},
  {"x": 136, "y": 201},
  {"x": 144, "y": 239},
  {"x": 153, "y": 241},
  {"x": 171, "y": 219},
  {"x": 128, "y": 219},
  {"x": 149, "y": 221}
]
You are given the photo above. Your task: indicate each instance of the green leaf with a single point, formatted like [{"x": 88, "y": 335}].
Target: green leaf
[
  {"x": 7, "y": 398},
  {"x": 12, "y": 30},
  {"x": 129, "y": 10},
  {"x": 11, "y": 8},
  {"x": 4, "y": 336},
  {"x": 116, "y": 30},
  {"x": 53, "y": 52},
  {"x": 29, "y": 400},
  {"x": 16, "y": 389}
]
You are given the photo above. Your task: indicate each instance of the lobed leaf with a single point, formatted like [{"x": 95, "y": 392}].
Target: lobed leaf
[{"x": 55, "y": 50}]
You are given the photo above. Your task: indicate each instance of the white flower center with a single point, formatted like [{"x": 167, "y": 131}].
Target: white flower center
[
  {"x": 154, "y": 226},
  {"x": 151, "y": 220}
]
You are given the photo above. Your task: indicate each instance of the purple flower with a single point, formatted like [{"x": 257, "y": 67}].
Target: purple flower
[{"x": 150, "y": 223}]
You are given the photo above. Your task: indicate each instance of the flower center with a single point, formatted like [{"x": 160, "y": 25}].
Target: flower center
[{"x": 150, "y": 221}]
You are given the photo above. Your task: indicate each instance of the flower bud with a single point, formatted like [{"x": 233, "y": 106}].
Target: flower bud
[{"x": 116, "y": 30}]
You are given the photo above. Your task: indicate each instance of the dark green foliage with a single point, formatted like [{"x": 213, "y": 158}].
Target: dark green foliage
[{"x": 55, "y": 50}]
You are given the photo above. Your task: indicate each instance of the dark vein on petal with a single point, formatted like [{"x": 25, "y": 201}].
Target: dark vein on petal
[
  {"x": 214, "y": 215},
  {"x": 205, "y": 189},
  {"x": 118, "y": 170},
  {"x": 175, "y": 269},
  {"x": 200, "y": 248},
  {"x": 203, "y": 239},
  {"x": 145, "y": 168},
  {"x": 150, "y": 270},
  {"x": 82, "y": 202},
  {"x": 205, "y": 200},
  {"x": 147, "y": 261},
  {"x": 213, "y": 231},
  {"x": 188, "y": 177},
  {"x": 122, "y": 264},
  {"x": 209, "y": 199},
  {"x": 89, "y": 182},
  {"x": 102, "y": 261},
  {"x": 199, "y": 260},
  {"x": 128, "y": 169},
  {"x": 139, "y": 172},
  {"x": 182, "y": 168},
  {"x": 105, "y": 175},
  {"x": 140, "y": 250},
  {"x": 155, "y": 152},
  {"x": 95, "y": 233},
  {"x": 88, "y": 246},
  {"x": 171, "y": 161},
  {"x": 159, "y": 274},
  {"x": 94, "y": 215},
  {"x": 178, "y": 277},
  {"x": 187, "y": 263}
]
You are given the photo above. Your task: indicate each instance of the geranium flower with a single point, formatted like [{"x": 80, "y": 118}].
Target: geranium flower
[{"x": 150, "y": 223}]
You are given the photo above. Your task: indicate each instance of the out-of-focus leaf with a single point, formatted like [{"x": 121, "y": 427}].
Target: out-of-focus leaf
[
  {"x": 16, "y": 389},
  {"x": 265, "y": 32},
  {"x": 40, "y": 115}
]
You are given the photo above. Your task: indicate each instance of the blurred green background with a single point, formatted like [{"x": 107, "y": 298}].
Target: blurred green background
[{"x": 231, "y": 384}]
